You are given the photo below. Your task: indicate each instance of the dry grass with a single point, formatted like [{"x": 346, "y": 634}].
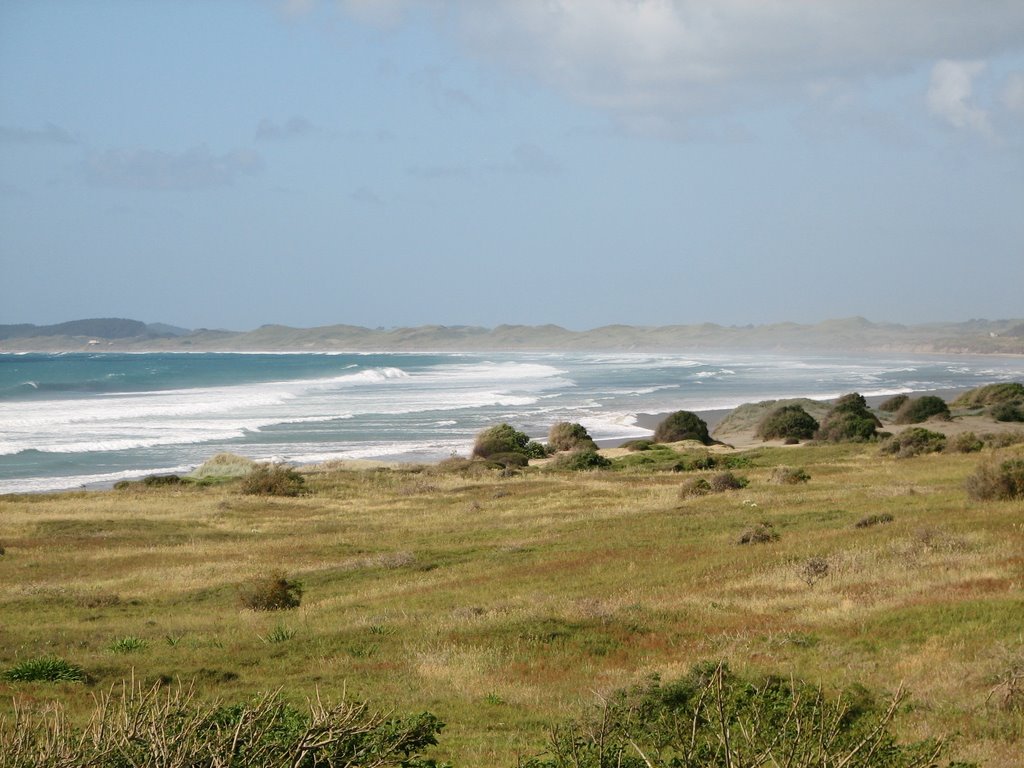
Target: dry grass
[{"x": 500, "y": 603}]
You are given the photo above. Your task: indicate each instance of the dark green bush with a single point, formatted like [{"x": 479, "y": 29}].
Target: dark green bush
[
  {"x": 270, "y": 592},
  {"x": 504, "y": 438},
  {"x": 509, "y": 460},
  {"x": 849, "y": 420},
  {"x": 919, "y": 409},
  {"x": 714, "y": 719},
  {"x": 994, "y": 481},
  {"x": 1007, "y": 412},
  {"x": 682, "y": 425},
  {"x": 580, "y": 461},
  {"x": 788, "y": 422},
  {"x": 48, "y": 669},
  {"x": 913, "y": 442},
  {"x": 567, "y": 436},
  {"x": 894, "y": 403},
  {"x": 273, "y": 480},
  {"x": 161, "y": 480}
]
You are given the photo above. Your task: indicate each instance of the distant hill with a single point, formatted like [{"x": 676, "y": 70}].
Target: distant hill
[
  {"x": 106, "y": 328},
  {"x": 851, "y": 335}
]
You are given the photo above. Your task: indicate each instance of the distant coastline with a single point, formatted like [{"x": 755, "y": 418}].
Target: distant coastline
[{"x": 973, "y": 337}]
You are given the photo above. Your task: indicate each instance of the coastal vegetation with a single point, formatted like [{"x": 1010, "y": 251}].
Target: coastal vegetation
[
  {"x": 788, "y": 422},
  {"x": 682, "y": 425},
  {"x": 640, "y": 610}
]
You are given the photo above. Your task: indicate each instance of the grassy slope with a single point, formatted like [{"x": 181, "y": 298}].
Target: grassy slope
[{"x": 501, "y": 604}]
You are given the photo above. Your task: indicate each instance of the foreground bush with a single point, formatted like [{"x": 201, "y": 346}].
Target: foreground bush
[
  {"x": 789, "y": 476},
  {"x": 273, "y": 480},
  {"x": 1007, "y": 412},
  {"x": 922, "y": 408},
  {"x": 849, "y": 421},
  {"x": 566, "y": 436},
  {"x": 913, "y": 442},
  {"x": 271, "y": 592},
  {"x": 682, "y": 425},
  {"x": 715, "y": 719},
  {"x": 164, "y": 727},
  {"x": 580, "y": 461},
  {"x": 504, "y": 438},
  {"x": 894, "y": 403},
  {"x": 788, "y": 422},
  {"x": 996, "y": 481}
]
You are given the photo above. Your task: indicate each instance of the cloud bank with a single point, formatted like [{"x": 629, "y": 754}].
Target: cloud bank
[{"x": 192, "y": 169}]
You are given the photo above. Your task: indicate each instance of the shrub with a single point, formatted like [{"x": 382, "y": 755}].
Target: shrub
[
  {"x": 273, "y": 480},
  {"x": 849, "y": 421},
  {"x": 913, "y": 442},
  {"x": 169, "y": 726},
  {"x": 813, "y": 571},
  {"x": 712, "y": 718},
  {"x": 788, "y": 422},
  {"x": 696, "y": 486},
  {"x": 922, "y": 408},
  {"x": 581, "y": 461},
  {"x": 509, "y": 460},
  {"x": 223, "y": 466},
  {"x": 504, "y": 438},
  {"x": 566, "y": 436},
  {"x": 994, "y": 481},
  {"x": 966, "y": 442},
  {"x": 682, "y": 425},
  {"x": 48, "y": 669},
  {"x": 726, "y": 481},
  {"x": 271, "y": 592},
  {"x": 991, "y": 394},
  {"x": 156, "y": 481},
  {"x": 872, "y": 520},
  {"x": 637, "y": 445},
  {"x": 894, "y": 403},
  {"x": 1007, "y": 412},
  {"x": 789, "y": 476},
  {"x": 762, "y": 533}
]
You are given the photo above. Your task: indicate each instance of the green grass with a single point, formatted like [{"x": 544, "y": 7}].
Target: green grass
[{"x": 503, "y": 604}]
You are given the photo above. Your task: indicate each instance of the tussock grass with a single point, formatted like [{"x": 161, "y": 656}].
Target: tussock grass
[{"x": 504, "y": 603}]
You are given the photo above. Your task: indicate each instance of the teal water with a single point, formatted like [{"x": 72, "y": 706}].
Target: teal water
[{"x": 77, "y": 419}]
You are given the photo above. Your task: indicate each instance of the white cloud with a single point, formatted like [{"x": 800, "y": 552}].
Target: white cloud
[
  {"x": 656, "y": 64},
  {"x": 949, "y": 96}
]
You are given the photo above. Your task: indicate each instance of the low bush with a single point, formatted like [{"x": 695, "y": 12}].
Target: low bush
[
  {"x": 682, "y": 425},
  {"x": 637, "y": 445},
  {"x": 789, "y": 476},
  {"x": 787, "y": 423},
  {"x": 913, "y": 442},
  {"x": 156, "y": 481},
  {"x": 696, "y": 486},
  {"x": 873, "y": 520},
  {"x": 510, "y": 460},
  {"x": 849, "y": 421},
  {"x": 566, "y": 436},
  {"x": 169, "y": 726},
  {"x": 727, "y": 481},
  {"x": 762, "y": 533},
  {"x": 997, "y": 480},
  {"x": 920, "y": 409},
  {"x": 712, "y": 718},
  {"x": 813, "y": 570},
  {"x": 504, "y": 438},
  {"x": 580, "y": 461},
  {"x": 991, "y": 394},
  {"x": 49, "y": 669},
  {"x": 894, "y": 403},
  {"x": 223, "y": 466},
  {"x": 965, "y": 442},
  {"x": 273, "y": 480},
  {"x": 270, "y": 592},
  {"x": 1007, "y": 412}
]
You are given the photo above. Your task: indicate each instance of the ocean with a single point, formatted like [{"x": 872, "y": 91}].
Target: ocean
[{"x": 71, "y": 420}]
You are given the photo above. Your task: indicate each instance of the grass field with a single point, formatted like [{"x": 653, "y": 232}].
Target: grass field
[{"x": 503, "y": 604}]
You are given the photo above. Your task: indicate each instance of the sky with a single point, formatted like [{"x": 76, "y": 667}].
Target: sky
[{"x": 233, "y": 163}]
